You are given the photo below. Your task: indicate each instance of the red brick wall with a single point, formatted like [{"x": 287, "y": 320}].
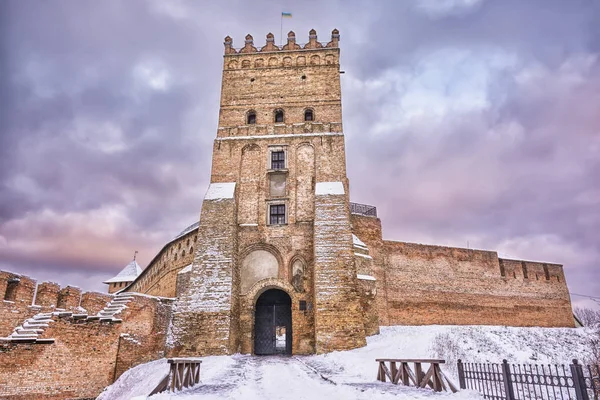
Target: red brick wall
[{"x": 82, "y": 361}]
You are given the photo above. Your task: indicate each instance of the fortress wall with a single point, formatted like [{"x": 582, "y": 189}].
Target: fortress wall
[
  {"x": 93, "y": 302},
  {"x": 368, "y": 229},
  {"x": 69, "y": 298},
  {"x": 47, "y": 294},
  {"x": 444, "y": 285},
  {"x": 159, "y": 278},
  {"x": 17, "y": 301},
  {"x": 81, "y": 361}
]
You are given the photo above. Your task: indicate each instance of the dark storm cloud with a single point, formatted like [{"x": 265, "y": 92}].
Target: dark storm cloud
[{"x": 465, "y": 120}]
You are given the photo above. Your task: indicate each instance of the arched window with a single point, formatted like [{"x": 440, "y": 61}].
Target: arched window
[
  {"x": 175, "y": 256},
  {"x": 183, "y": 254},
  {"x": 192, "y": 250},
  {"x": 278, "y": 115},
  {"x": 309, "y": 115},
  {"x": 251, "y": 117}
]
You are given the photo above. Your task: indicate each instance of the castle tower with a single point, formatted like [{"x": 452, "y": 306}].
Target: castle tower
[{"x": 274, "y": 266}]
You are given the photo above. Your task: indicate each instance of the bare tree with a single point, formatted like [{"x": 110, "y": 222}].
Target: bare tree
[{"x": 588, "y": 316}]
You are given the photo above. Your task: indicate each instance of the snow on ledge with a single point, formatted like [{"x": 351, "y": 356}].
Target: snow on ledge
[
  {"x": 188, "y": 268},
  {"x": 366, "y": 277},
  {"x": 363, "y": 255},
  {"x": 357, "y": 242},
  {"x": 324, "y": 188},
  {"x": 218, "y": 191}
]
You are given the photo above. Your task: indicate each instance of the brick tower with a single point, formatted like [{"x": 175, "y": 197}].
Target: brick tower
[{"x": 274, "y": 269}]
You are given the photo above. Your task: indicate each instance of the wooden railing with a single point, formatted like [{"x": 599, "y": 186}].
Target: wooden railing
[
  {"x": 183, "y": 373},
  {"x": 400, "y": 372}
]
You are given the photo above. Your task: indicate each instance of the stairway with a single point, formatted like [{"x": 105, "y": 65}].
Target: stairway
[{"x": 31, "y": 330}]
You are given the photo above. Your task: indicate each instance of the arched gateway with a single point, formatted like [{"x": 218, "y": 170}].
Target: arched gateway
[{"x": 273, "y": 323}]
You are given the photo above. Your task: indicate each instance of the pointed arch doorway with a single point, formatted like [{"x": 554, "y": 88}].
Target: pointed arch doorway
[{"x": 273, "y": 323}]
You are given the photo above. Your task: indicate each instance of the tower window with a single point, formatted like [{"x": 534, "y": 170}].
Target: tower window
[
  {"x": 308, "y": 115},
  {"x": 277, "y": 160},
  {"x": 278, "y": 115},
  {"x": 277, "y": 214},
  {"x": 251, "y": 117}
]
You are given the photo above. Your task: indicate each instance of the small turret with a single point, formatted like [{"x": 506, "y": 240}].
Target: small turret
[
  {"x": 270, "y": 46},
  {"x": 291, "y": 42},
  {"x": 335, "y": 38},
  {"x": 249, "y": 45},
  {"x": 312, "y": 41},
  {"x": 228, "y": 45}
]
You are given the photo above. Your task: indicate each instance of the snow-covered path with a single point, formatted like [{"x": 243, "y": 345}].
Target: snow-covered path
[
  {"x": 351, "y": 374},
  {"x": 251, "y": 377}
]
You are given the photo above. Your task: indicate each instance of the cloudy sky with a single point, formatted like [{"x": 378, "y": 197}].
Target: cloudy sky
[{"x": 467, "y": 122}]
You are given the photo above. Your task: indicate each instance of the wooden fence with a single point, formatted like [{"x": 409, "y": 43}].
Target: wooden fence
[
  {"x": 399, "y": 371},
  {"x": 183, "y": 373},
  {"x": 531, "y": 381}
]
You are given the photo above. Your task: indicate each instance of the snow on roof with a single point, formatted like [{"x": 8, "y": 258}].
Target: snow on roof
[
  {"x": 324, "y": 188},
  {"x": 187, "y": 230},
  {"x": 127, "y": 274},
  {"x": 218, "y": 191}
]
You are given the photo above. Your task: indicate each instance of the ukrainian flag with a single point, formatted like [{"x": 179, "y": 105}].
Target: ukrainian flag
[{"x": 286, "y": 15}]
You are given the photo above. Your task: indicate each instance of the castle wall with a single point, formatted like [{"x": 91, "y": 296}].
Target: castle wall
[
  {"x": 443, "y": 285},
  {"x": 86, "y": 355},
  {"x": 159, "y": 278}
]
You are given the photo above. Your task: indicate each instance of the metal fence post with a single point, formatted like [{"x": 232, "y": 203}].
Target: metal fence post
[
  {"x": 461, "y": 375},
  {"x": 579, "y": 381},
  {"x": 506, "y": 377}
]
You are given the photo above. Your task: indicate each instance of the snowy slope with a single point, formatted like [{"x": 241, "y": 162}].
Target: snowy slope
[{"x": 351, "y": 374}]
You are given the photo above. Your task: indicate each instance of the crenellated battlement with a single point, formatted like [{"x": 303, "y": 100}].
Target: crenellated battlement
[{"x": 291, "y": 44}]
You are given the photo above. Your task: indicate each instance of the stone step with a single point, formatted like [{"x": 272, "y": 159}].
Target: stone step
[
  {"x": 119, "y": 301},
  {"x": 64, "y": 314},
  {"x": 21, "y": 340},
  {"x": 80, "y": 316},
  {"x": 116, "y": 307},
  {"x": 42, "y": 316},
  {"x": 93, "y": 318},
  {"x": 45, "y": 341},
  {"x": 22, "y": 331},
  {"x": 38, "y": 321},
  {"x": 23, "y": 336},
  {"x": 27, "y": 325}
]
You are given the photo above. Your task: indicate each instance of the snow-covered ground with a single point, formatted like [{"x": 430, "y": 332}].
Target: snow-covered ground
[{"x": 351, "y": 374}]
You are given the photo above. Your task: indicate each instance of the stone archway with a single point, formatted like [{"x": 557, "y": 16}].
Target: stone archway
[{"x": 273, "y": 323}]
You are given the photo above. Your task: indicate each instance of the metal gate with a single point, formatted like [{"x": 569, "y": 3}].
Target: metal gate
[{"x": 273, "y": 326}]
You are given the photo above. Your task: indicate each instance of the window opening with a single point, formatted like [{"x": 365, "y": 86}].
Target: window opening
[
  {"x": 251, "y": 118},
  {"x": 277, "y": 214},
  {"x": 308, "y": 115},
  {"x": 279, "y": 116},
  {"x": 11, "y": 289},
  {"x": 277, "y": 160},
  {"x": 302, "y": 305}
]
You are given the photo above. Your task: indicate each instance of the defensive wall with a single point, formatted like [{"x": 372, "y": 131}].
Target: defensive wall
[
  {"x": 422, "y": 284},
  {"x": 59, "y": 343}
]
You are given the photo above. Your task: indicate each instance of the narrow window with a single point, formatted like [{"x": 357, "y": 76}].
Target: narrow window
[
  {"x": 277, "y": 214},
  {"x": 11, "y": 289},
  {"x": 546, "y": 272},
  {"x": 183, "y": 254},
  {"x": 308, "y": 115},
  {"x": 251, "y": 118},
  {"x": 524, "y": 267},
  {"x": 192, "y": 250},
  {"x": 278, "y": 115},
  {"x": 502, "y": 270},
  {"x": 277, "y": 160},
  {"x": 175, "y": 256},
  {"x": 302, "y": 305}
]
